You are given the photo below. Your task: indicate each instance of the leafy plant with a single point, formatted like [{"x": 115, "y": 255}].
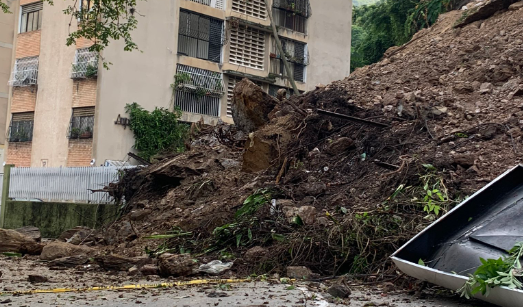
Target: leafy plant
[
  {"x": 495, "y": 273},
  {"x": 91, "y": 71},
  {"x": 156, "y": 131},
  {"x": 253, "y": 203}
]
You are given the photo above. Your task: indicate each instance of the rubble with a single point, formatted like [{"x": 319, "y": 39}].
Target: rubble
[
  {"x": 14, "y": 241},
  {"x": 59, "y": 249},
  {"x": 176, "y": 265},
  {"x": 31, "y": 232}
]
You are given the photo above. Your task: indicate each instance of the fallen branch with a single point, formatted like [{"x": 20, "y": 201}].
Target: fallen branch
[{"x": 352, "y": 118}]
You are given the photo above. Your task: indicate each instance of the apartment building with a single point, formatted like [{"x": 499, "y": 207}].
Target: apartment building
[{"x": 65, "y": 109}]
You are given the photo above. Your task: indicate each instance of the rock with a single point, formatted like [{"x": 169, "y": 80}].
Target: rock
[
  {"x": 298, "y": 272},
  {"x": 483, "y": 11},
  {"x": 439, "y": 110},
  {"x": 120, "y": 263},
  {"x": 340, "y": 291},
  {"x": 37, "y": 278},
  {"x": 517, "y": 92},
  {"x": 256, "y": 254},
  {"x": 70, "y": 261},
  {"x": 139, "y": 215},
  {"x": 149, "y": 269},
  {"x": 229, "y": 163},
  {"x": 59, "y": 249},
  {"x": 176, "y": 265},
  {"x": 463, "y": 88},
  {"x": 133, "y": 271},
  {"x": 465, "y": 160},
  {"x": 13, "y": 241},
  {"x": 251, "y": 106},
  {"x": 340, "y": 146},
  {"x": 281, "y": 94},
  {"x": 307, "y": 214},
  {"x": 516, "y": 6},
  {"x": 76, "y": 235},
  {"x": 486, "y": 88},
  {"x": 31, "y": 232},
  {"x": 258, "y": 155},
  {"x": 313, "y": 188}
]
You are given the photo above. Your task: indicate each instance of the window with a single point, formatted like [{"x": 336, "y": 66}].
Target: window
[
  {"x": 85, "y": 64},
  {"x": 86, "y": 5},
  {"x": 198, "y": 90},
  {"x": 31, "y": 19},
  {"x": 200, "y": 36},
  {"x": 21, "y": 128},
  {"x": 254, "y": 8},
  {"x": 25, "y": 72},
  {"x": 230, "y": 89},
  {"x": 247, "y": 47},
  {"x": 291, "y": 14},
  {"x": 218, "y": 4},
  {"x": 82, "y": 123},
  {"x": 296, "y": 54}
]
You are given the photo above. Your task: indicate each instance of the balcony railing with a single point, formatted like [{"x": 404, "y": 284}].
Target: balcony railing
[
  {"x": 25, "y": 72},
  {"x": 85, "y": 65},
  {"x": 217, "y": 4}
]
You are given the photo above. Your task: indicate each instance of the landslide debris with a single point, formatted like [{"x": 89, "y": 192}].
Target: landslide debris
[{"x": 444, "y": 116}]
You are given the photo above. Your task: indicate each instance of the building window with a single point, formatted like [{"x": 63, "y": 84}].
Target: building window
[
  {"x": 82, "y": 123},
  {"x": 291, "y": 14},
  {"x": 296, "y": 54},
  {"x": 85, "y": 64},
  {"x": 198, "y": 90},
  {"x": 254, "y": 8},
  {"x": 230, "y": 90},
  {"x": 21, "y": 128},
  {"x": 200, "y": 36},
  {"x": 25, "y": 72},
  {"x": 247, "y": 47},
  {"x": 218, "y": 4},
  {"x": 31, "y": 19}
]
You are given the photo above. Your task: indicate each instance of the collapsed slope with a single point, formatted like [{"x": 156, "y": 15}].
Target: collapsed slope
[{"x": 447, "y": 114}]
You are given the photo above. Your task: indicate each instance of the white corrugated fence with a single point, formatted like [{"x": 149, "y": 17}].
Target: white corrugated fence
[{"x": 68, "y": 184}]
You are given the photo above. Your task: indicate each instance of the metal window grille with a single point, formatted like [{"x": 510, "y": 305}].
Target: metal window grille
[
  {"x": 230, "y": 90},
  {"x": 82, "y": 123},
  {"x": 31, "y": 19},
  {"x": 218, "y": 4},
  {"x": 200, "y": 36},
  {"x": 254, "y": 8},
  {"x": 198, "y": 90},
  {"x": 289, "y": 19},
  {"x": 85, "y": 64},
  {"x": 21, "y": 128},
  {"x": 296, "y": 54},
  {"x": 247, "y": 47},
  {"x": 25, "y": 72},
  {"x": 297, "y": 7}
]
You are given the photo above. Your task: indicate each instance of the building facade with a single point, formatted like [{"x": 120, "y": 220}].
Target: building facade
[{"x": 65, "y": 109}]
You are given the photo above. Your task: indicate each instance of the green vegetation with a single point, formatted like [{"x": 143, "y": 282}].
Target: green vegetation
[
  {"x": 156, "y": 131},
  {"x": 496, "y": 273},
  {"x": 363, "y": 2},
  {"x": 390, "y": 23}
]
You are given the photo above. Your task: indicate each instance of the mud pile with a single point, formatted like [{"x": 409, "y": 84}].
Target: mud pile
[{"x": 443, "y": 116}]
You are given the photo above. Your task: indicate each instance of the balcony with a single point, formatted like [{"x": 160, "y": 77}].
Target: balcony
[
  {"x": 85, "y": 64},
  {"x": 217, "y": 4},
  {"x": 25, "y": 72}
]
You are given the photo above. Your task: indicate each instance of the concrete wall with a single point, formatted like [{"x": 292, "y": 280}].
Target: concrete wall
[
  {"x": 329, "y": 30},
  {"x": 142, "y": 77},
  {"x": 55, "y": 88},
  {"x": 54, "y": 218},
  {"x": 7, "y": 33}
]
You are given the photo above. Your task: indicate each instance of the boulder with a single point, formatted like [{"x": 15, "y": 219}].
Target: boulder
[
  {"x": 59, "y": 249},
  {"x": 340, "y": 291},
  {"x": 251, "y": 106},
  {"x": 298, "y": 272},
  {"x": 13, "y": 241},
  {"x": 483, "y": 11},
  {"x": 307, "y": 214},
  {"x": 31, "y": 232},
  {"x": 176, "y": 265},
  {"x": 120, "y": 263}
]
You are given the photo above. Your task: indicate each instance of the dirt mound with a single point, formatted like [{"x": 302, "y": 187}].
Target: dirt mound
[{"x": 367, "y": 163}]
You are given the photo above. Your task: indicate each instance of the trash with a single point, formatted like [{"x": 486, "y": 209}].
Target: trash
[
  {"x": 215, "y": 267},
  {"x": 483, "y": 226}
]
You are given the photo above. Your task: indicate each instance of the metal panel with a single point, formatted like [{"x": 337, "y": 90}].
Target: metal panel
[
  {"x": 254, "y": 8},
  {"x": 247, "y": 47},
  {"x": 68, "y": 184}
]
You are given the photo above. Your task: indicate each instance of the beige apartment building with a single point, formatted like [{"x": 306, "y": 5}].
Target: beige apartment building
[{"x": 65, "y": 109}]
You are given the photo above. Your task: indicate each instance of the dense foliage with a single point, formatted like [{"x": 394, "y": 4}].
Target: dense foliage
[
  {"x": 391, "y": 23},
  {"x": 363, "y": 2},
  {"x": 156, "y": 131}
]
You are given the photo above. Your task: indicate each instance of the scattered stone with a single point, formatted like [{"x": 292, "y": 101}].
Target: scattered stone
[
  {"x": 314, "y": 188},
  {"x": 339, "y": 290},
  {"x": 465, "y": 160},
  {"x": 486, "y": 88},
  {"x": 340, "y": 146},
  {"x": 176, "y": 265},
  {"x": 120, "y": 263},
  {"x": 76, "y": 235},
  {"x": 299, "y": 272},
  {"x": 149, "y": 269},
  {"x": 13, "y": 241},
  {"x": 307, "y": 214},
  {"x": 31, "y": 232},
  {"x": 71, "y": 261},
  {"x": 59, "y": 249},
  {"x": 37, "y": 279},
  {"x": 214, "y": 293},
  {"x": 516, "y": 6},
  {"x": 139, "y": 215},
  {"x": 133, "y": 271}
]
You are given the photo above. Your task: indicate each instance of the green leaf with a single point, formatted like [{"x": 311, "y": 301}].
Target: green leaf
[
  {"x": 278, "y": 237},
  {"x": 297, "y": 220},
  {"x": 421, "y": 262},
  {"x": 238, "y": 239},
  {"x": 11, "y": 254}
]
